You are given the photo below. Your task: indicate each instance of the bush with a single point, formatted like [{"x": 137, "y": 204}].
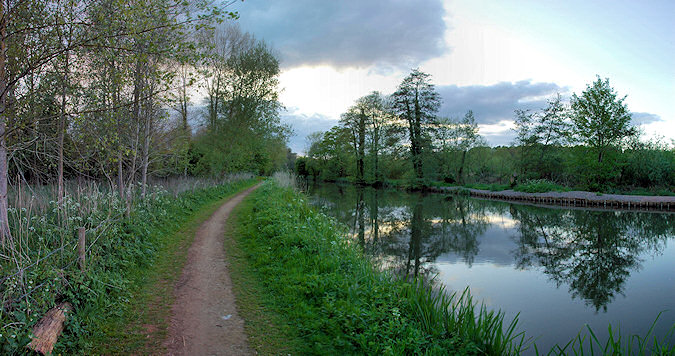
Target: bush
[{"x": 540, "y": 186}]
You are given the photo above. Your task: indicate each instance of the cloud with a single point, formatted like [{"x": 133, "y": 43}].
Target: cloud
[
  {"x": 304, "y": 125},
  {"x": 492, "y": 104},
  {"x": 643, "y": 118},
  {"x": 348, "y": 33}
]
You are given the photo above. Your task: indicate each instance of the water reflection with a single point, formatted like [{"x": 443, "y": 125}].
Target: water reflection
[{"x": 592, "y": 253}]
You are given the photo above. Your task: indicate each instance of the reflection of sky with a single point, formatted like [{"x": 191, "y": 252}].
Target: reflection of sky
[
  {"x": 547, "y": 311},
  {"x": 495, "y": 244}
]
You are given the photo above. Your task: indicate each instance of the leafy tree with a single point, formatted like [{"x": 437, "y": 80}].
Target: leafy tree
[
  {"x": 416, "y": 101},
  {"x": 538, "y": 133},
  {"x": 600, "y": 119},
  {"x": 330, "y": 153},
  {"x": 355, "y": 121}
]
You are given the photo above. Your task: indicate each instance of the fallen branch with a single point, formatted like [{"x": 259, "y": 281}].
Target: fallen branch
[{"x": 48, "y": 329}]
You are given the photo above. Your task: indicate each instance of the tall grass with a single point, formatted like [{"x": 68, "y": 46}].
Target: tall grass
[
  {"x": 40, "y": 267},
  {"x": 587, "y": 343}
]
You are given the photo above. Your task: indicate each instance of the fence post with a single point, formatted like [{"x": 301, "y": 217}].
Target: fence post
[{"x": 81, "y": 247}]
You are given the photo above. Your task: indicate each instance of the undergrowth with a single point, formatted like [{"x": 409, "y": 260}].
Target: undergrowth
[
  {"x": 41, "y": 267},
  {"x": 540, "y": 186}
]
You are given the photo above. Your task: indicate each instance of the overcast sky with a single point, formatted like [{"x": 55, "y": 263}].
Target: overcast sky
[{"x": 491, "y": 57}]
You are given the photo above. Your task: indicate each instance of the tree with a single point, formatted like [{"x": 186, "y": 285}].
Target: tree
[
  {"x": 538, "y": 133},
  {"x": 457, "y": 137},
  {"x": 600, "y": 119},
  {"x": 466, "y": 137},
  {"x": 377, "y": 111},
  {"x": 417, "y": 102}
]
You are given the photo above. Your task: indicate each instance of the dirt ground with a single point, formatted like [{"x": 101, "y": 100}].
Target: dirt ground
[{"x": 204, "y": 318}]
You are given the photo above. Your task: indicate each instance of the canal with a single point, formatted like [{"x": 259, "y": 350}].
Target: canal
[{"x": 560, "y": 269}]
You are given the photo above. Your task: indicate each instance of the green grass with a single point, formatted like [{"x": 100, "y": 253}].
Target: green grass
[
  {"x": 334, "y": 301},
  {"x": 268, "y": 332}
]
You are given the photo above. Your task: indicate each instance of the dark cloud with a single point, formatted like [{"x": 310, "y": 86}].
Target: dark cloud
[
  {"x": 641, "y": 118},
  {"x": 494, "y": 103},
  {"x": 348, "y": 32},
  {"x": 304, "y": 125}
]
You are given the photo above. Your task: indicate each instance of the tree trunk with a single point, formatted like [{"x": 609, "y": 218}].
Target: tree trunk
[
  {"x": 184, "y": 117},
  {"x": 460, "y": 174},
  {"x": 4, "y": 222},
  {"x": 361, "y": 153},
  {"x": 62, "y": 128},
  {"x": 146, "y": 147}
]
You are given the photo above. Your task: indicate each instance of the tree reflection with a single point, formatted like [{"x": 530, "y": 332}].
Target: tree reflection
[
  {"x": 406, "y": 233},
  {"x": 593, "y": 252}
]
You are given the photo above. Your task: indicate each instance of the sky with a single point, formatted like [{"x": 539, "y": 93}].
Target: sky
[{"x": 492, "y": 57}]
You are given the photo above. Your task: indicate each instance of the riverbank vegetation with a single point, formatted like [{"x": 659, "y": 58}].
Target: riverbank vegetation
[
  {"x": 336, "y": 301},
  {"x": 327, "y": 296},
  {"x": 585, "y": 143}
]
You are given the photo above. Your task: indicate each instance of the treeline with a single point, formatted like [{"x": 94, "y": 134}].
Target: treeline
[
  {"x": 102, "y": 90},
  {"x": 585, "y": 143}
]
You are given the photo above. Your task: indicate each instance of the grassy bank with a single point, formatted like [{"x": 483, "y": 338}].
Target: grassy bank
[
  {"x": 334, "y": 301},
  {"x": 125, "y": 252},
  {"x": 303, "y": 288}
]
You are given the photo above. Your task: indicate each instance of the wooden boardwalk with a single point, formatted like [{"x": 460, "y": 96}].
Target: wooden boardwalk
[{"x": 573, "y": 198}]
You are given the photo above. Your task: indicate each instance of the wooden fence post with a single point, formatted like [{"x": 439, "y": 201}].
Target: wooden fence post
[{"x": 81, "y": 247}]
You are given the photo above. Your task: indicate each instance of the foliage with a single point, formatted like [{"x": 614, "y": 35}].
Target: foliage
[
  {"x": 539, "y": 186},
  {"x": 416, "y": 101},
  {"x": 553, "y": 143},
  {"x": 244, "y": 131},
  {"x": 539, "y": 134},
  {"x": 339, "y": 303},
  {"x": 47, "y": 270}
]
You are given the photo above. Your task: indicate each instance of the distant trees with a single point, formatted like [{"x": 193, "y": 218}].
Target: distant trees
[
  {"x": 600, "y": 119},
  {"x": 367, "y": 122},
  {"x": 243, "y": 128},
  {"x": 587, "y": 143},
  {"x": 454, "y": 139},
  {"x": 355, "y": 121}
]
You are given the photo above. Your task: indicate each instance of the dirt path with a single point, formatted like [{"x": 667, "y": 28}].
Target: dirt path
[{"x": 204, "y": 319}]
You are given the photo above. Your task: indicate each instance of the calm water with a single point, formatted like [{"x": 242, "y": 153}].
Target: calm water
[{"x": 560, "y": 268}]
